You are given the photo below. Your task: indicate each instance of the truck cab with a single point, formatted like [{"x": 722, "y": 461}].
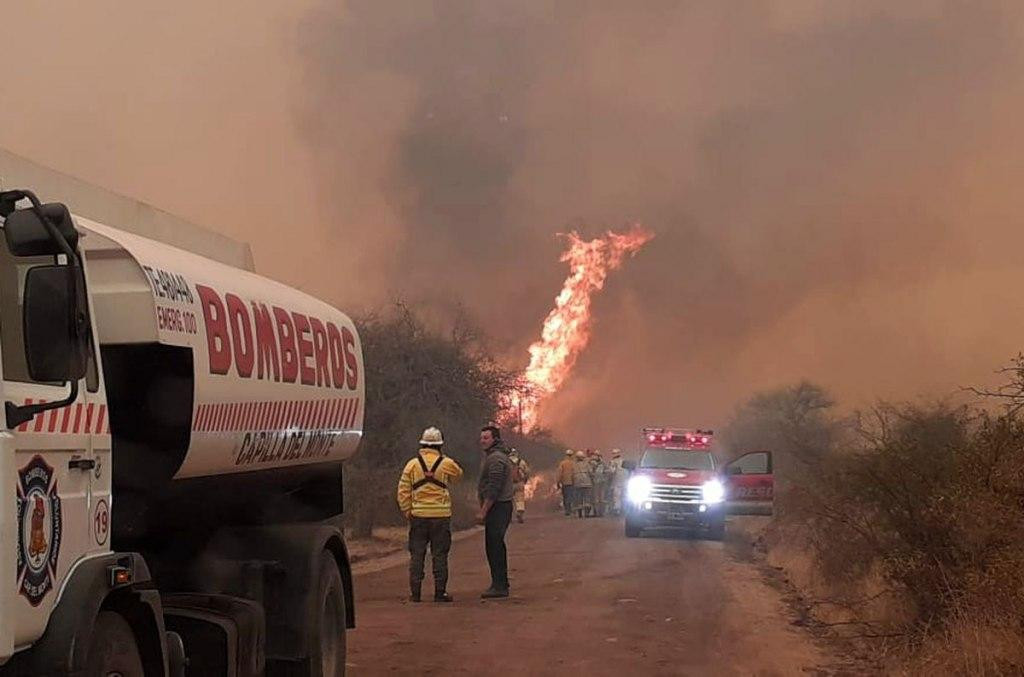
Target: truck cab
[
  {"x": 172, "y": 437},
  {"x": 678, "y": 482}
]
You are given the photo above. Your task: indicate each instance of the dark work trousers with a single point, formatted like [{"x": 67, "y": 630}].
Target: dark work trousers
[
  {"x": 567, "y": 498},
  {"x": 495, "y": 526},
  {"x": 437, "y": 532}
]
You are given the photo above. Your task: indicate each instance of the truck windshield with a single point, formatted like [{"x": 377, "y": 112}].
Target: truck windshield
[{"x": 677, "y": 459}]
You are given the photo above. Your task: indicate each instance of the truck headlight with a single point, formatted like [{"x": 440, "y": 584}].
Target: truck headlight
[
  {"x": 713, "y": 491},
  {"x": 638, "y": 489}
]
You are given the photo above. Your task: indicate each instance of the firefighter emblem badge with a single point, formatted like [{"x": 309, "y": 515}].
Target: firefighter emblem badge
[{"x": 39, "y": 528}]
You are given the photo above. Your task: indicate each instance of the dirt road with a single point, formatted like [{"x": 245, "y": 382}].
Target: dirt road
[{"x": 585, "y": 601}]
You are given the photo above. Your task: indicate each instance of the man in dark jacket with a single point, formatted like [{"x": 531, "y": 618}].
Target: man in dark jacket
[{"x": 495, "y": 492}]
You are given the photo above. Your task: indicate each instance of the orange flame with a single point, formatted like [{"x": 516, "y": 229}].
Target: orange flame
[{"x": 566, "y": 329}]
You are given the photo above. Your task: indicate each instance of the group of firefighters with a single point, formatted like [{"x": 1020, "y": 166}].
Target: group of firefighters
[{"x": 591, "y": 486}]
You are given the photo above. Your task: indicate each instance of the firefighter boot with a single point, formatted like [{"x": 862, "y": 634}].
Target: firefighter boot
[{"x": 414, "y": 590}]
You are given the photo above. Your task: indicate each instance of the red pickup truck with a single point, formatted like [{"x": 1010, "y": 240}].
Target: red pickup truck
[{"x": 679, "y": 483}]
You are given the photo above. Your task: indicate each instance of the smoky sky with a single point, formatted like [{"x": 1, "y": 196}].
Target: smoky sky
[{"x": 834, "y": 185}]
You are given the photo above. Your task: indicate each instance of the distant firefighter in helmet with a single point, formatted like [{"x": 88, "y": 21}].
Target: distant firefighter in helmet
[
  {"x": 617, "y": 478},
  {"x": 582, "y": 486},
  {"x": 424, "y": 497},
  {"x": 520, "y": 474},
  {"x": 566, "y": 470}
]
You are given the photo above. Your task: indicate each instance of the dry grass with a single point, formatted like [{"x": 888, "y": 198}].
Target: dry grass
[{"x": 970, "y": 644}]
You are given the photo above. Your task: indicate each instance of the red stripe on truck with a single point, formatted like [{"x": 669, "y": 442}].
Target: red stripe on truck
[
  {"x": 329, "y": 419},
  {"x": 101, "y": 420},
  {"x": 323, "y": 414},
  {"x": 355, "y": 413},
  {"x": 335, "y": 414},
  {"x": 345, "y": 410},
  {"x": 24, "y": 426}
]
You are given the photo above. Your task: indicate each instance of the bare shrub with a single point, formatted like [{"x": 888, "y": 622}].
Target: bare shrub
[
  {"x": 913, "y": 516},
  {"x": 417, "y": 376}
]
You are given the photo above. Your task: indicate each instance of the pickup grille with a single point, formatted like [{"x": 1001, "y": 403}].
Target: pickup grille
[{"x": 671, "y": 493}]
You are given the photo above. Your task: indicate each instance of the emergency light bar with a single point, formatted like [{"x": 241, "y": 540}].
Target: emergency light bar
[{"x": 686, "y": 438}]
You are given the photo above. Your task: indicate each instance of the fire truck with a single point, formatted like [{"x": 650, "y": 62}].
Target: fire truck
[
  {"x": 679, "y": 482},
  {"x": 173, "y": 437}
]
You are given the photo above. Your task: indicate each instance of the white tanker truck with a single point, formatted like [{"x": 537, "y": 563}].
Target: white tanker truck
[{"x": 173, "y": 437}]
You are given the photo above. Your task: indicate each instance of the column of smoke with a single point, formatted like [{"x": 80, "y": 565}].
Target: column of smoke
[
  {"x": 834, "y": 183},
  {"x": 566, "y": 330}
]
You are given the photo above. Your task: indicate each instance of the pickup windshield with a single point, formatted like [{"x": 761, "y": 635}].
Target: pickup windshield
[{"x": 677, "y": 460}]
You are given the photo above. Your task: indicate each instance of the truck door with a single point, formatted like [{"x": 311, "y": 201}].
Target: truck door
[
  {"x": 750, "y": 484},
  {"x": 48, "y": 477}
]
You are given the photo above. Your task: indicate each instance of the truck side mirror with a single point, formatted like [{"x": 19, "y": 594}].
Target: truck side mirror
[
  {"x": 629, "y": 465},
  {"x": 55, "y": 345},
  {"x": 733, "y": 470},
  {"x": 27, "y": 236}
]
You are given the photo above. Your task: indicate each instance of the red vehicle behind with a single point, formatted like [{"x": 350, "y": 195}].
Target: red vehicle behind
[{"x": 679, "y": 483}]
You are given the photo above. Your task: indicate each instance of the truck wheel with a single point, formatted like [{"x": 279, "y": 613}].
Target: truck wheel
[
  {"x": 716, "y": 532},
  {"x": 113, "y": 651},
  {"x": 329, "y": 658},
  {"x": 632, "y": 530}
]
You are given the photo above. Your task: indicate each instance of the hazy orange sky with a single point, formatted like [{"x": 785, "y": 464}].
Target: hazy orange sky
[{"x": 833, "y": 184}]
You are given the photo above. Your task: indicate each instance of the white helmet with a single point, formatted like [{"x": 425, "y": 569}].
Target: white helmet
[
  {"x": 569, "y": 452},
  {"x": 432, "y": 436}
]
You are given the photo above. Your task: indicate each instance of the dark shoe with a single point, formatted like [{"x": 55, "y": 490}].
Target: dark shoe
[
  {"x": 519, "y": 517},
  {"x": 444, "y": 597},
  {"x": 414, "y": 593},
  {"x": 492, "y": 593},
  {"x": 414, "y": 598}
]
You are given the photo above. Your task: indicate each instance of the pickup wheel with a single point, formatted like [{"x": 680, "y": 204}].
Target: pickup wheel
[
  {"x": 113, "y": 650},
  {"x": 632, "y": 530},
  {"x": 716, "y": 532},
  {"x": 329, "y": 658}
]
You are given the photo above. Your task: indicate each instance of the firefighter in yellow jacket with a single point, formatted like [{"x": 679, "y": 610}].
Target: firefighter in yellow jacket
[{"x": 424, "y": 497}]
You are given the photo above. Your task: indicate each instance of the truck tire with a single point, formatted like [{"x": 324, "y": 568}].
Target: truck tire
[
  {"x": 716, "y": 531},
  {"x": 113, "y": 650},
  {"x": 328, "y": 660},
  {"x": 632, "y": 530}
]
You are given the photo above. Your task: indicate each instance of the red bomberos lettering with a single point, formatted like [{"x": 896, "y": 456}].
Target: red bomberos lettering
[{"x": 271, "y": 343}]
